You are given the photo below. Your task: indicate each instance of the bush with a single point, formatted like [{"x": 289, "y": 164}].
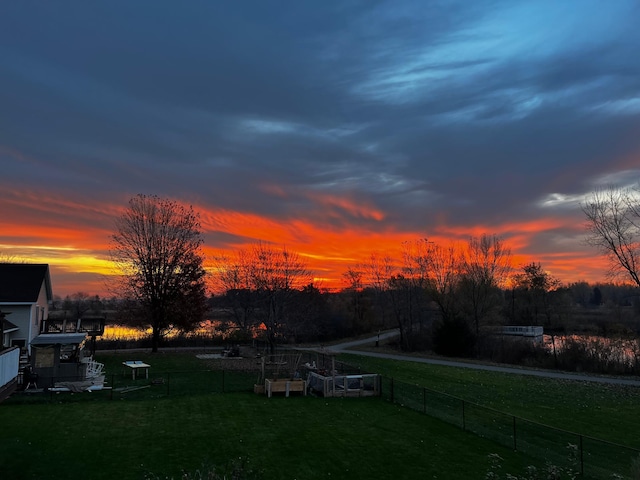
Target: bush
[
  {"x": 454, "y": 338},
  {"x": 513, "y": 350}
]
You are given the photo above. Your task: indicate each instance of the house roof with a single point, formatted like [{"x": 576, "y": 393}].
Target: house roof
[
  {"x": 59, "y": 339},
  {"x": 8, "y": 327},
  {"x": 21, "y": 282}
]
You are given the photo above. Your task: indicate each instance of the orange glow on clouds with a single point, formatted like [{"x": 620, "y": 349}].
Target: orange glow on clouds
[
  {"x": 327, "y": 250},
  {"x": 77, "y": 250},
  {"x": 347, "y": 205}
]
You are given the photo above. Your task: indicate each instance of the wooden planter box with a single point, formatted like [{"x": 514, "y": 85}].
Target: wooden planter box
[{"x": 284, "y": 386}]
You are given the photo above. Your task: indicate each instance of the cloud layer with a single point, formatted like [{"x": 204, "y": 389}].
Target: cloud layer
[{"x": 336, "y": 128}]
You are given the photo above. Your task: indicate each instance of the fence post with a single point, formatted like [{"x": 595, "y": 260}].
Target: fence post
[
  {"x": 515, "y": 441},
  {"x": 581, "y": 458},
  {"x": 424, "y": 400},
  {"x": 464, "y": 426},
  {"x": 223, "y": 380},
  {"x": 168, "y": 382},
  {"x": 391, "y": 388}
]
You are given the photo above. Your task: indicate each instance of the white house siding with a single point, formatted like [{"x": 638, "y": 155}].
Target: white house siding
[
  {"x": 9, "y": 364},
  {"x": 27, "y": 317},
  {"x": 21, "y": 316},
  {"x": 43, "y": 308}
]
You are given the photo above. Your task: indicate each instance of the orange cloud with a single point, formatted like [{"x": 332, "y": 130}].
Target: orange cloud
[
  {"x": 353, "y": 208},
  {"x": 328, "y": 250},
  {"x": 74, "y": 238}
]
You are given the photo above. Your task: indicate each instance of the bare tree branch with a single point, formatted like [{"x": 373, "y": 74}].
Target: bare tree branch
[
  {"x": 613, "y": 225},
  {"x": 157, "y": 247}
]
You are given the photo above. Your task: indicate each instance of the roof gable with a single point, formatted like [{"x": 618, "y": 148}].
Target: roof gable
[{"x": 21, "y": 282}]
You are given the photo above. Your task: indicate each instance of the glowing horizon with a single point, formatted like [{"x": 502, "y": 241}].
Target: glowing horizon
[{"x": 327, "y": 251}]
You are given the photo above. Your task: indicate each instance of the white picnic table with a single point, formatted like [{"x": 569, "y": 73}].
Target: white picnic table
[{"x": 136, "y": 365}]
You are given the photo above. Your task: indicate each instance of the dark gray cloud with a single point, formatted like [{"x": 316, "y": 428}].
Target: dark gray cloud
[{"x": 464, "y": 113}]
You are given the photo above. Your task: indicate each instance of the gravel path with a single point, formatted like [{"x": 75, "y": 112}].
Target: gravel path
[{"x": 347, "y": 347}]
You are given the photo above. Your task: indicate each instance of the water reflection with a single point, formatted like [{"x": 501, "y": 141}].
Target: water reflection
[
  {"x": 208, "y": 329},
  {"x": 623, "y": 351}
]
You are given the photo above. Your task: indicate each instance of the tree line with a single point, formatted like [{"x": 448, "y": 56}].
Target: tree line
[{"x": 444, "y": 295}]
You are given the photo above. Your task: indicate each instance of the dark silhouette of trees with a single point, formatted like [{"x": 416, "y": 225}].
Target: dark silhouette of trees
[
  {"x": 277, "y": 273},
  {"x": 80, "y": 303},
  {"x": 378, "y": 270},
  {"x": 486, "y": 264},
  {"x": 613, "y": 225},
  {"x": 452, "y": 334},
  {"x": 309, "y": 320},
  {"x": 235, "y": 278},
  {"x": 355, "y": 282},
  {"x": 596, "y": 297},
  {"x": 456, "y": 284},
  {"x": 408, "y": 290},
  {"x": 267, "y": 280},
  {"x": 533, "y": 288},
  {"x": 157, "y": 248},
  {"x": 443, "y": 267}
]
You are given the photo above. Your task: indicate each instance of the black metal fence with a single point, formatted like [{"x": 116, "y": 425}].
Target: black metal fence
[
  {"x": 123, "y": 386},
  {"x": 590, "y": 457}
]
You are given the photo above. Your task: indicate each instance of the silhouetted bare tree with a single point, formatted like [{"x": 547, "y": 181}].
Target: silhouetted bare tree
[
  {"x": 272, "y": 276},
  {"x": 486, "y": 264},
  {"x": 157, "y": 247},
  {"x": 613, "y": 223},
  {"x": 408, "y": 289},
  {"x": 532, "y": 288},
  {"x": 234, "y": 279},
  {"x": 379, "y": 269},
  {"x": 354, "y": 280}
]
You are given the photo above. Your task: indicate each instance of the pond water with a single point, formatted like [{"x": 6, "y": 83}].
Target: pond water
[
  {"x": 207, "y": 329},
  {"x": 620, "y": 350},
  {"x": 625, "y": 351}
]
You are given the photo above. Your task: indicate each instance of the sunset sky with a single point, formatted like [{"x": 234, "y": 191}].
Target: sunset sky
[{"x": 334, "y": 128}]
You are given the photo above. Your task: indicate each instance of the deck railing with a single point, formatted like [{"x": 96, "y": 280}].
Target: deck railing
[{"x": 9, "y": 363}]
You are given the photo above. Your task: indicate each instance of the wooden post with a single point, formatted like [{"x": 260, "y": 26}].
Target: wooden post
[
  {"x": 333, "y": 374},
  {"x": 424, "y": 400},
  {"x": 464, "y": 427}
]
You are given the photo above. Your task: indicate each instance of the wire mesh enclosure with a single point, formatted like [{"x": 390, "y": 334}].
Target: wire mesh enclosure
[{"x": 358, "y": 385}]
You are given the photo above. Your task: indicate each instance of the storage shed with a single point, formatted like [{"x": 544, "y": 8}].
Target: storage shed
[{"x": 57, "y": 357}]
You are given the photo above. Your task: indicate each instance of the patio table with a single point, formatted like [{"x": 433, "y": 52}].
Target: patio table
[{"x": 136, "y": 365}]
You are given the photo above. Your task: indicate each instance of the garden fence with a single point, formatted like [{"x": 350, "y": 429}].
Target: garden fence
[{"x": 590, "y": 457}]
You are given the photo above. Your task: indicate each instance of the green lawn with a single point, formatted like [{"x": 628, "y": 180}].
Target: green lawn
[
  {"x": 608, "y": 412},
  {"x": 296, "y": 437},
  {"x": 161, "y": 432}
]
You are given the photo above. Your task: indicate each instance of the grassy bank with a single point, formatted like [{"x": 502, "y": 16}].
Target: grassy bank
[{"x": 609, "y": 412}]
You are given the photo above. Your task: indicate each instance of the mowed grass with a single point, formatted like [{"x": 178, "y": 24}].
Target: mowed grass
[
  {"x": 162, "y": 361},
  {"x": 148, "y": 432},
  {"x": 285, "y": 438},
  {"x": 608, "y": 412}
]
